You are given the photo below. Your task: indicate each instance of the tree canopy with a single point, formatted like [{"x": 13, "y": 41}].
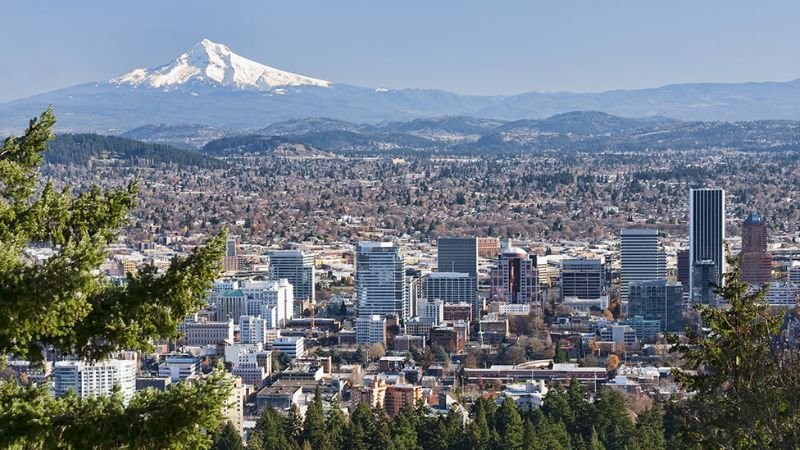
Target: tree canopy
[{"x": 65, "y": 304}]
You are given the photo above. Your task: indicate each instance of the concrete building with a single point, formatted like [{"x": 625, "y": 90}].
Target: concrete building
[
  {"x": 618, "y": 334},
  {"x": 514, "y": 279},
  {"x": 706, "y": 236},
  {"x": 642, "y": 258},
  {"x": 92, "y": 380},
  {"x": 179, "y": 367},
  {"x": 250, "y": 362},
  {"x": 272, "y": 300},
  {"x": 756, "y": 262},
  {"x": 294, "y": 346},
  {"x": 399, "y": 395},
  {"x": 204, "y": 332},
  {"x": 488, "y": 247},
  {"x": 658, "y": 300},
  {"x": 450, "y": 287},
  {"x": 528, "y": 395},
  {"x": 583, "y": 278},
  {"x": 432, "y": 310},
  {"x": 298, "y": 268},
  {"x": 380, "y": 285},
  {"x": 647, "y": 330},
  {"x": 371, "y": 330},
  {"x": 230, "y": 305},
  {"x": 252, "y": 330}
]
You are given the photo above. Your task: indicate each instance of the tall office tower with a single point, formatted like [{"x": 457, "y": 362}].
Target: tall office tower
[
  {"x": 450, "y": 287},
  {"x": 642, "y": 258},
  {"x": 297, "y": 267},
  {"x": 514, "y": 278},
  {"x": 683, "y": 268},
  {"x": 232, "y": 261},
  {"x": 657, "y": 300},
  {"x": 92, "y": 380},
  {"x": 273, "y": 300},
  {"x": 755, "y": 260},
  {"x": 457, "y": 254},
  {"x": 232, "y": 246},
  {"x": 380, "y": 285},
  {"x": 253, "y": 330},
  {"x": 583, "y": 278},
  {"x": 706, "y": 235}
]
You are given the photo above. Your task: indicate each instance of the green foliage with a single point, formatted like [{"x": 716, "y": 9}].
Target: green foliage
[
  {"x": 744, "y": 379},
  {"x": 82, "y": 148},
  {"x": 180, "y": 417},
  {"x": 269, "y": 433},
  {"x": 65, "y": 305},
  {"x": 314, "y": 424},
  {"x": 228, "y": 438},
  {"x": 649, "y": 433}
]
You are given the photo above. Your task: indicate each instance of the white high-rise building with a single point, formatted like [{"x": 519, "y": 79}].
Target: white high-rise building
[
  {"x": 380, "y": 285},
  {"x": 641, "y": 257},
  {"x": 179, "y": 367},
  {"x": 297, "y": 267},
  {"x": 371, "y": 330},
  {"x": 253, "y": 329},
  {"x": 273, "y": 300},
  {"x": 706, "y": 237},
  {"x": 92, "y": 380},
  {"x": 294, "y": 346},
  {"x": 432, "y": 310}
]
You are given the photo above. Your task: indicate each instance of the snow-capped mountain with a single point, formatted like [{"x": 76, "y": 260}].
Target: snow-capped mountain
[
  {"x": 210, "y": 63},
  {"x": 213, "y": 86}
]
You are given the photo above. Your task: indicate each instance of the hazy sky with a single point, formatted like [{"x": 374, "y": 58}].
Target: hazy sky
[{"x": 475, "y": 47}]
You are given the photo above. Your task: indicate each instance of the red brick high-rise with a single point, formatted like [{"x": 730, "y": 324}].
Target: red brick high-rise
[{"x": 756, "y": 260}]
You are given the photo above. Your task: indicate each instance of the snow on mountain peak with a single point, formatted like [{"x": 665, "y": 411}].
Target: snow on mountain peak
[{"x": 215, "y": 64}]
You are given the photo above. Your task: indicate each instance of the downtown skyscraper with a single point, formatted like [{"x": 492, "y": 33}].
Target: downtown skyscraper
[
  {"x": 706, "y": 237},
  {"x": 380, "y": 286},
  {"x": 642, "y": 258},
  {"x": 756, "y": 261}
]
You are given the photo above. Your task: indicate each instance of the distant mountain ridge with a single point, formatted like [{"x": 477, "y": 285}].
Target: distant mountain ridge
[
  {"x": 210, "y": 84},
  {"x": 581, "y": 131}
]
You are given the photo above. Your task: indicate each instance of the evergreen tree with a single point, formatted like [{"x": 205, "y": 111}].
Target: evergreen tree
[
  {"x": 293, "y": 426},
  {"x": 66, "y": 304},
  {"x": 381, "y": 436},
  {"x": 360, "y": 428},
  {"x": 228, "y": 439},
  {"x": 314, "y": 425},
  {"x": 614, "y": 425},
  {"x": 594, "y": 442},
  {"x": 649, "y": 433},
  {"x": 269, "y": 433},
  {"x": 745, "y": 377},
  {"x": 336, "y": 425},
  {"x": 479, "y": 435},
  {"x": 509, "y": 425},
  {"x": 404, "y": 433}
]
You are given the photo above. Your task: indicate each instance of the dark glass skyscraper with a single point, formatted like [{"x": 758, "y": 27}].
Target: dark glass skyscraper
[
  {"x": 706, "y": 235},
  {"x": 458, "y": 254}
]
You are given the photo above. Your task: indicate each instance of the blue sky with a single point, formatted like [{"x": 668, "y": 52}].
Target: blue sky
[{"x": 473, "y": 47}]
